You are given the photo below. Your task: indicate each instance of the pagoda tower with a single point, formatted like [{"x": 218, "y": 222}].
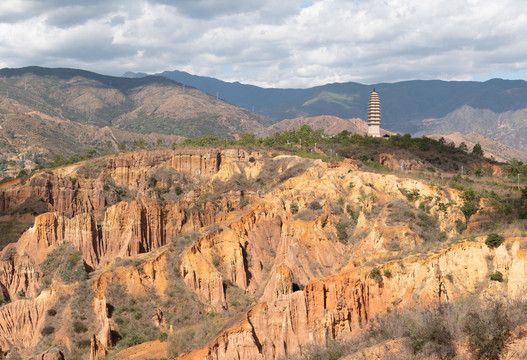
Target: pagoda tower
[{"x": 374, "y": 115}]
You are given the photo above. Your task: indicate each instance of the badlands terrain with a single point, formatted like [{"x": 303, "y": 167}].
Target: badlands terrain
[{"x": 256, "y": 253}]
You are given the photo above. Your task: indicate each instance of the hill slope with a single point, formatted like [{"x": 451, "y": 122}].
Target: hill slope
[
  {"x": 331, "y": 125},
  {"x": 62, "y": 110},
  {"x": 492, "y": 148}
]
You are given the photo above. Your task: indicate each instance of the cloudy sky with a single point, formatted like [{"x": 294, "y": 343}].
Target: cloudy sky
[{"x": 272, "y": 43}]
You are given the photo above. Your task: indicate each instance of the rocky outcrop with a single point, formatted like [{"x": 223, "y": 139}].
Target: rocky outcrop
[
  {"x": 334, "y": 306},
  {"x": 270, "y": 235},
  {"x": 149, "y": 275},
  {"x": 97, "y": 349},
  {"x": 72, "y": 191},
  {"x": 50, "y": 354},
  {"x": 51, "y": 229},
  {"x": 159, "y": 320},
  {"x": 129, "y": 169},
  {"x": 128, "y": 228},
  {"x": 21, "y": 322},
  {"x": 68, "y": 191},
  {"x": 18, "y": 277},
  {"x": 388, "y": 160},
  {"x": 12, "y": 194},
  {"x": 284, "y": 282}
]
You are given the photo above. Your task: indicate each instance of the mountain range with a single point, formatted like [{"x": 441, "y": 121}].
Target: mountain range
[
  {"x": 68, "y": 111},
  {"x": 495, "y": 108}
]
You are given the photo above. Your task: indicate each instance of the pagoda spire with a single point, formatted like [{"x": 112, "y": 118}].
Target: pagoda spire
[{"x": 374, "y": 115}]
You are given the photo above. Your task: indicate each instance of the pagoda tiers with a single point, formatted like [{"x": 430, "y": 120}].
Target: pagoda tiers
[{"x": 374, "y": 115}]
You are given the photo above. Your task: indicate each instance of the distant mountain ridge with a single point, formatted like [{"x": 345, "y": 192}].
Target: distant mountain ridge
[{"x": 407, "y": 107}]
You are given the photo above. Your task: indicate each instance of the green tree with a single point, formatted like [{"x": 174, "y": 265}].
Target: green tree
[
  {"x": 248, "y": 139},
  {"x": 515, "y": 167},
  {"x": 470, "y": 204},
  {"x": 121, "y": 146},
  {"x": 477, "y": 150},
  {"x": 522, "y": 205},
  {"x": 90, "y": 153},
  {"x": 141, "y": 143},
  {"x": 207, "y": 140},
  {"x": 494, "y": 240},
  {"x": 21, "y": 174},
  {"x": 293, "y": 207}
]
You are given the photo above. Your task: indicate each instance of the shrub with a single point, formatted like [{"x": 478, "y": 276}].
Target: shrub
[
  {"x": 79, "y": 327},
  {"x": 387, "y": 273},
  {"x": 432, "y": 335},
  {"x": 477, "y": 150},
  {"x": 178, "y": 190},
  {"x": 342, "y": 233},
  {"x": 293, "y": 208},
  {"x": 52, "y": 312},
  {"x": 488, "y": 331},
  {"x": 411, "y": 195},
  {"x": 47, "y": 330},
  {"x": 460, "y": 226},
  {"x": 494, "y": 240},
  {"x": 163, "y": 337},
  {"x": 152, "y": 181},
  {"x": 470, "y": 203},
  {"x": 133, "y": 338},
  {"x": 332, "y": 350},
  {"x": 375, "y": 274},
  {"x": 315, "y": 205},
  {"x": 496, "y": 276},
  {"x": 83, "y": 344}
]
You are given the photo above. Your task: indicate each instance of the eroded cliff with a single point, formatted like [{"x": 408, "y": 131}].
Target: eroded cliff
[{"x": 271, "y": 252}]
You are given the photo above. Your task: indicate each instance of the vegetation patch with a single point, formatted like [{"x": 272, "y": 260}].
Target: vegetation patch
[
  {"x": 496, "y": 276},
  {"x": 494, "y": 240},
  {"x": 431, "y": 332},
  {"x": 11, "y": 231},
  {"x": 376, "y": 275},
  {"x": 63, "y": 263}
]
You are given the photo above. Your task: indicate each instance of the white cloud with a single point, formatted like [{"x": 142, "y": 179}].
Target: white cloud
[{"x": 271, "y": 43}]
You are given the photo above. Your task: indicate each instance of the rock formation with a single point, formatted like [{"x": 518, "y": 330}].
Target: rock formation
[
  {"x": 334, "y": 306},
  {"x": 21, "y": 322},
  {"x": 282, "y": 248}
]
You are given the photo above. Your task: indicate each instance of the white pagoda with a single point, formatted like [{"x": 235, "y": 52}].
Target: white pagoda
[{"x": 374, "y": 115}]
